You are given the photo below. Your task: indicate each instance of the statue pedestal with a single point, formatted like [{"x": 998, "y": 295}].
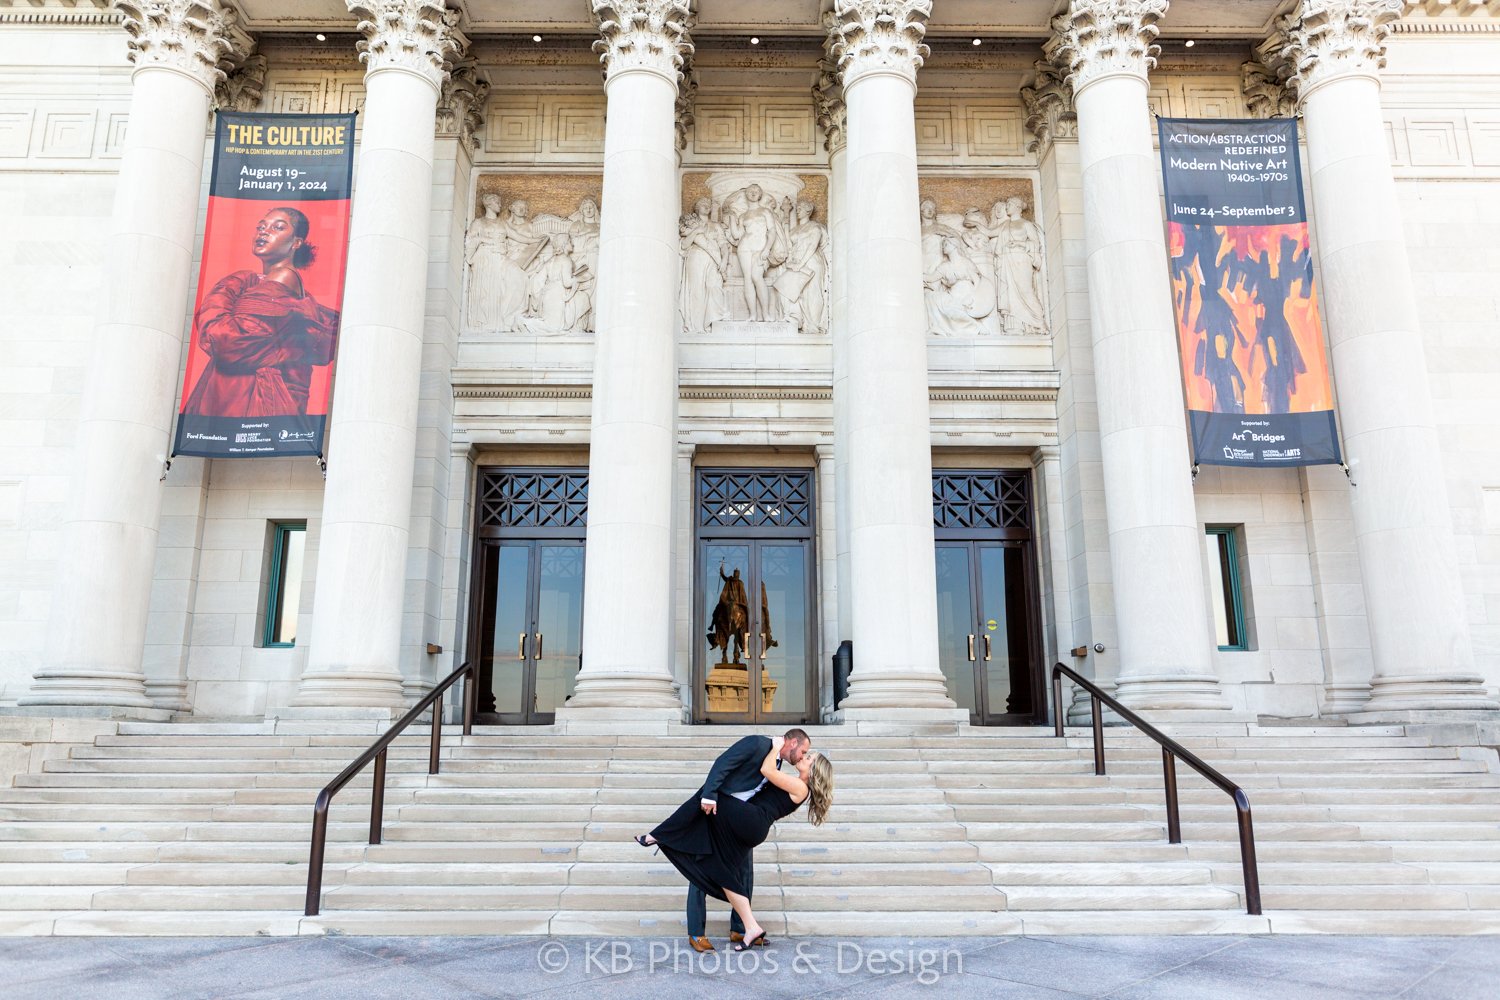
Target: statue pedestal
[{"x": 728, "y": 687}]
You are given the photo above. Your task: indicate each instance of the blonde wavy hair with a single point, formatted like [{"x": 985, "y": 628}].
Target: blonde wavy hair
[{"x": 819, "y": 788}]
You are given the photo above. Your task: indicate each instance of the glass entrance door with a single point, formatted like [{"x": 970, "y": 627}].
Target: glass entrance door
[
  {"x": 984, "y": 630},
  {"x": 988, "y": 626},
  {"x": 756, "y": 603},
  {"x": 531, "y": 629}
]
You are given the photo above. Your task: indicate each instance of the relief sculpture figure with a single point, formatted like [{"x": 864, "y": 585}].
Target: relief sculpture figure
[
  {"x": 800, "y": 281},
  {"x": 705, "y": 265},
  {"x": 758, "y": 236},
  {"x": 1018, "y": 267},
  {"x": 532, "y": 274}
]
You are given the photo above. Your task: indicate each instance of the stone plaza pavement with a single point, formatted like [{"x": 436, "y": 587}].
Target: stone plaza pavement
[{"x": 436, "y": 968}]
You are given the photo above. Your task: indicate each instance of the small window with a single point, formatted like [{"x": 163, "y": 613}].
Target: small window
[
  {"x": 284, "y": 590},
  {"x": 1225, "y": 585}
]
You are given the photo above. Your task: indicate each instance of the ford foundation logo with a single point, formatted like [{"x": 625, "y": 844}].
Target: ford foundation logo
[{"x": 287, "y": 435}]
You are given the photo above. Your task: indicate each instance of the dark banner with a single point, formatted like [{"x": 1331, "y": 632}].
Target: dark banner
[
  {"x": 270, "y": 289},
  {"x": 1253, "y": 359}
]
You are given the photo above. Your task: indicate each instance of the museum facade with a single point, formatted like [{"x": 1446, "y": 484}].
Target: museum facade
[{"x": 683, "y": 342}]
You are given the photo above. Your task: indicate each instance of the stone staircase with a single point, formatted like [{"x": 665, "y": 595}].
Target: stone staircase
[{"x": 203, "y": 829}]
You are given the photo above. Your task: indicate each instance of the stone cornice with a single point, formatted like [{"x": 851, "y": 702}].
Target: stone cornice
[
  {"x": 417, "y": 36},
  {"x": 201, "y": 39},
  {"x": 1050, "y": 114},
  {"x": 651, "y": 35},
  {"x": 62, "y": 15},
  {"x": 880, "y": 36},
  {"x": 1094, "y": 39},
  {"x": 1324, "y": 40},
  {"x": 1026, "y": 394},
  {"x": 460, "y": 107}
]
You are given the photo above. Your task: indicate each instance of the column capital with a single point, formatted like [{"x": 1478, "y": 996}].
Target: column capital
[
  {"x": 879, "y": 36},
  {"x": 201, "y": 39},
  {"x": 1324, "y": 40},
  {"x": 460, "y": 106},
  {"x": 687, "y": 96},
  {"x": 1094, "y": 39},
  {"x": 1267, "y": 95},
  {"x": 828, "y": 103},
  {"x": 1050, "y": 114},
  {"x": 241, "y": 90},
  {"x": 418, "y": 36},
  {"x": 651, "y": 35}
]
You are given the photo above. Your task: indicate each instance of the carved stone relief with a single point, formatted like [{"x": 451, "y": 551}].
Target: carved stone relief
[
  {"x": 532, "y": 254},
  {"x": 754, "y": 252},
  {"x": 981, "y": 258}
]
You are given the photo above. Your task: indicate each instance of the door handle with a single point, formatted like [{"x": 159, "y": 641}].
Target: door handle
[
  {"x": 986, "y": 647},
  {"x": 971, "y": 647},
  {"x": 521, "y": 647},
  {"x": 539, "y": 646},
  {"x": 763, "y": 648}
]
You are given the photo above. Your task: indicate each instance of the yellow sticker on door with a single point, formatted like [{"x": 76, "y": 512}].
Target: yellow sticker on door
[{"x": 991, "y": 625}]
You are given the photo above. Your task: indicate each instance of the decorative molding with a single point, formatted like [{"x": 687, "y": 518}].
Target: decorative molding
[
  {"x": 1093, "y": 39},
  {"x": 1050, "y": 114},
  {"x": 200, "y": 38},
  {"x": 242, "y": 89},
  {"x": 418, "y": 36},
  {"x": 461, "y": 101},
  {"x": 880, "y": 36},
  {"x": 755, "y": 394},
  {"x": 649, "y": 35},
  {"x": 1323, "y": 40},
  {"x": 1447, "y": 26},
  {"x": 67, "y": 15},
  {"x": 828, "y": 100},
  {"x": 1266, "y": 92},
  {"x": 1449, "y": 9}
]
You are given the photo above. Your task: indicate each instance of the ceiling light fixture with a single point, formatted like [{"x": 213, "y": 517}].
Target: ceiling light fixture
[
  {"x": 321, "y": 37},
  {"x": 754, "y": 41},
  {"x": 1189, "y": 44},
  {"x": 978, "y": 41}
]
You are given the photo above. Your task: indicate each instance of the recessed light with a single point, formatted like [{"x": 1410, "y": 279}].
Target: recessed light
[
  {"x": 321, "y": 37},
  {"x": 754, "y": 41},
  {"x": 1189, "y": 44},
  {"x": 978, "y": 41},
  {"x": 536, "y": 38}
]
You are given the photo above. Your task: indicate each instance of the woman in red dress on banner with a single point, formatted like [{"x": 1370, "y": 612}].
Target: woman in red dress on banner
[{"x": 262, "y": 332}]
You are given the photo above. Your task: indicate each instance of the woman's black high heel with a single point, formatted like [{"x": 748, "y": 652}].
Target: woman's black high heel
[
  {"x": 752, "y": 942},
  {"x": 640, "y": 838}
]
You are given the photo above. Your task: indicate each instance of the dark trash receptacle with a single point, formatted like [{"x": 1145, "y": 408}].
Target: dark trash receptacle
[{"x": 843, "y": 663}]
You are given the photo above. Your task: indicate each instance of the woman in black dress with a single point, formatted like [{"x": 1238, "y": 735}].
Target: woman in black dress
[{"x": 713, "y": 851}]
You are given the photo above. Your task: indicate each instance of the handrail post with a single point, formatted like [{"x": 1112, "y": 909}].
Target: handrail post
[
  {"x": 315, "y": 862},
  {"x": 471, "y": 696},
  {"x": 1251, "y": 870},
  {"x": 377, "y": 799},
  {"x": 1098, "y": 712},
  {"x": 437, "y": 737},
  {"x": 1169, "y": 779},
  {"x": 1057, "y": 709}
]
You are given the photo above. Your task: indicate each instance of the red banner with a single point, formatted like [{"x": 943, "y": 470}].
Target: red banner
[{"x": 270, "y": 288}]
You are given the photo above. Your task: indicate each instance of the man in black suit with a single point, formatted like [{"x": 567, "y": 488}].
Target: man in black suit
[{"x": 736, "y": 772}]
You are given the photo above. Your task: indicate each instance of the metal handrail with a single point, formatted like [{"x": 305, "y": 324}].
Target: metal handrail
[
  {"x": 1171, "y": 750},
  {"x": 377, "y": 752}
]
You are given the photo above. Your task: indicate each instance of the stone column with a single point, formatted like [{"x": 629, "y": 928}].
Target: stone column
[
  {"x": 828, "y": 98},
  {"x": 1423, "y": 659},
  {"x": 97, "y": 631},
  {"x": 1155, "y": 541},
  {"x": 627, "y": 595},
  {"x": 352, "y": 665},
  {"x": 889, "y": 473}
]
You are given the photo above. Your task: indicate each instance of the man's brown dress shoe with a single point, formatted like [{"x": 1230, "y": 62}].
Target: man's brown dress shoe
[{"x": 701, "y": 944}]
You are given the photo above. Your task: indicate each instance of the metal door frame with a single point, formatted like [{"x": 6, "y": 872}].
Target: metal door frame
[{"x": 752, "y": 537}]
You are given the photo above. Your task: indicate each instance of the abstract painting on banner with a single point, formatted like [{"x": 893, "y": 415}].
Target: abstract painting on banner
[
  {"x": 1254, "y": 362},
  {"x": 270, "y": 287}
]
